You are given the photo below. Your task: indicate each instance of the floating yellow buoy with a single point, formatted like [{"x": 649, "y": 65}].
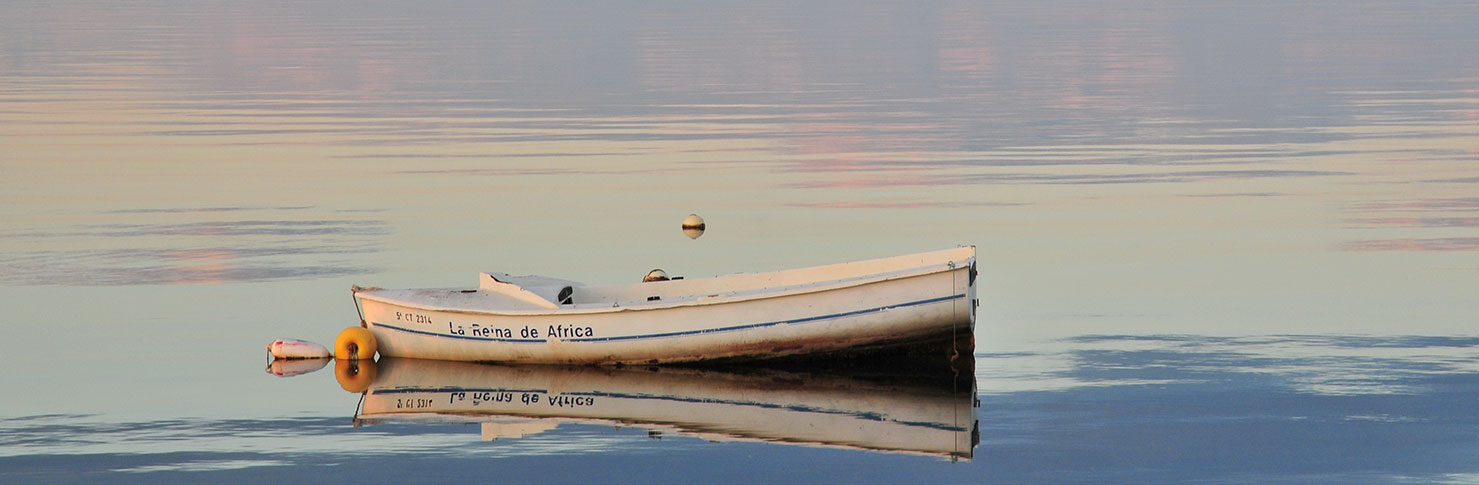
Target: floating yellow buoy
[
  {"x": 355, "y": 343},
  {"x": 355, "y": 375},
  {"x": 693, "y": 226}
]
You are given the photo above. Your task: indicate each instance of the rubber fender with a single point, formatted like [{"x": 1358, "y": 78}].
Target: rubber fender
[
  {"x": 355, "y": 375},
  {"x": 296, "y": 349},
  {"x": 355, "y": 343}
]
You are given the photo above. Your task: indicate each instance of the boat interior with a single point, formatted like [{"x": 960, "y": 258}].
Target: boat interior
[{"x": 556, "y": 293}]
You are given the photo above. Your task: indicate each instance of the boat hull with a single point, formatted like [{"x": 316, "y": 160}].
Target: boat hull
[{"x": 927, "y": 306}]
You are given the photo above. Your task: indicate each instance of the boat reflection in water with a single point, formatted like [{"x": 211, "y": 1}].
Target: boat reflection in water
[
  {"x": 293, "y": 367},
  {"x": 925, "y": 413}
]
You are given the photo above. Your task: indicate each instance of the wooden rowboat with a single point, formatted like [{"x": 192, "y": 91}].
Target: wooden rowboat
[{"x": 902, "y": 300}]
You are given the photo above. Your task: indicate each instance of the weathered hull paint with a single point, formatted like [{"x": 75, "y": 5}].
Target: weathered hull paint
[{"x": 902, "y": 307}]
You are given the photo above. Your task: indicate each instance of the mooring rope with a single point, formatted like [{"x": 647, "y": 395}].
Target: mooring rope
[{"x": 954, "y": 308}]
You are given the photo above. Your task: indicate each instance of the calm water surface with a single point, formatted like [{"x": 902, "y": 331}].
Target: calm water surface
[{"x": 1222, "y": 243}]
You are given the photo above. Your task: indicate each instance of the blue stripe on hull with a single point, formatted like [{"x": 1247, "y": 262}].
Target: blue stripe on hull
[{"x": 677, "y": 334}]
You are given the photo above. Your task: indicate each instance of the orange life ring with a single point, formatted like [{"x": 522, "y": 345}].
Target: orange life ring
[{"x": 355, "y": 343}]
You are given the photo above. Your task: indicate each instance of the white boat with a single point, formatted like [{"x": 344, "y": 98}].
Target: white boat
[
  {"x": 911, "y": 299},
  {"x": 913, "y": 412}
]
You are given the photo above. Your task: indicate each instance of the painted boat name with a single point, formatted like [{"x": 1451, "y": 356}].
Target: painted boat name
[
  {"x": 553, "y": 331},
  {"x": 477, "y": 330}
]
